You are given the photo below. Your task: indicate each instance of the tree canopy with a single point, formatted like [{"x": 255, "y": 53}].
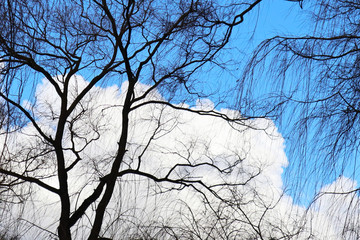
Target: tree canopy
[{"x": 107, "y": 130}]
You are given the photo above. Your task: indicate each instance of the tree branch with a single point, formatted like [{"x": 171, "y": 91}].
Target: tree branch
[{"x": 30, "y": 179}]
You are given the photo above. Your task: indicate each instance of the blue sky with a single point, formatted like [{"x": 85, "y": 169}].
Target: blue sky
[{"x": 269, "y": 19}]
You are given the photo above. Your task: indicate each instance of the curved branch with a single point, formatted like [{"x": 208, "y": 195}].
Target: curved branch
[
  {"x": 212, "y": 113},
  {"x": 87, "y": 202},
  {"x": 30, "y": 179},
  {"x": 180, "y": 181},
  {"x": 27, "y": 114}
]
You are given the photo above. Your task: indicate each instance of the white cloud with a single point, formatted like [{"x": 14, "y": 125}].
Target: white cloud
[{"x": 180, "y": 137}]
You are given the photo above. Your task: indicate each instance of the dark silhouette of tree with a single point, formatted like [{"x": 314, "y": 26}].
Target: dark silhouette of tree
[{"x": 147, "y": 47}]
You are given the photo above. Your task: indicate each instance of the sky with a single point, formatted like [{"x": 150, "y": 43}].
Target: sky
[{"x": 202, "y": 138}]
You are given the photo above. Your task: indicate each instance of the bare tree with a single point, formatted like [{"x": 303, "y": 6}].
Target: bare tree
[
  {"x": 317, "y": 78},
  {"x": 154, "y": 51}
]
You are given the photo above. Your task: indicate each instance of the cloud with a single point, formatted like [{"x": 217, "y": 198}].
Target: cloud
[{"x": 161, "y": 137}]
